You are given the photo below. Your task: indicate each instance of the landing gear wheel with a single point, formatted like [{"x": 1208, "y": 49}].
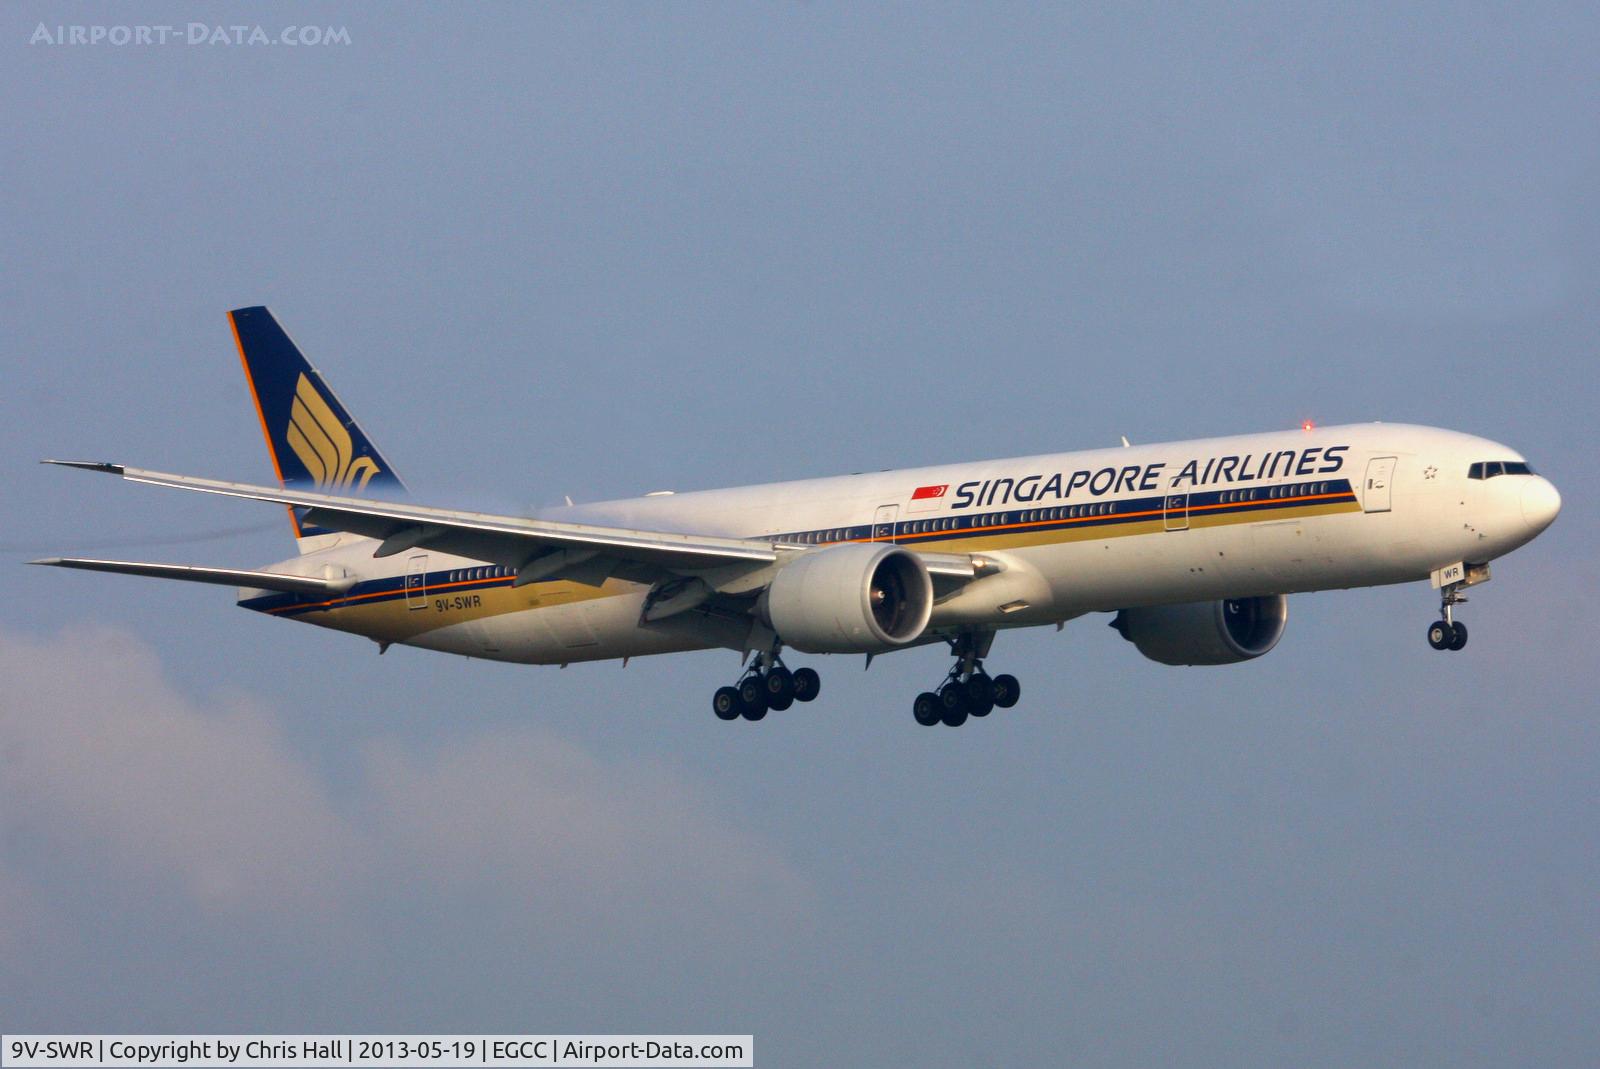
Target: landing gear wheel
[
  {"x": 752, "y": 698},
  {"x": 726, "y": 703},
  {"x": 1440, "y": 635},
  {"x": 780, "y": 688},
  {"x": 1006, "y": 691},
  {"x": 1458, "y": 637},
  {"x": 952, "y": 705},
  {"x": 927, "y": 709},
  {"x": 979, "y": 693},
  {"x": 807, "y": 684}
]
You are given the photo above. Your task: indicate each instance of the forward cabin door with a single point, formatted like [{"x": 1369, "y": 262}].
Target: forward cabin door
[
  {"x": 883, "y": 523},
  {"x": 1375, "y": 492}
]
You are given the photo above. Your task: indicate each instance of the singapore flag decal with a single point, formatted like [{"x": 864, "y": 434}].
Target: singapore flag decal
[{"x": 924, "y": 493}]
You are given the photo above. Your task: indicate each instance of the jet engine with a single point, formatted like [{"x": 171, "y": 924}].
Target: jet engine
[
  {"x": 1206, "y": 632},
  {"x": 857, "y": 598}
]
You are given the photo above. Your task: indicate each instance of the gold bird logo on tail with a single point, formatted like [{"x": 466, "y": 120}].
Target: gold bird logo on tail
[{"x": 323, "y": 444}]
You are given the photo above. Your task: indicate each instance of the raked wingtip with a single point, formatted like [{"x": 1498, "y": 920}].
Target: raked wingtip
[{"x": 88, "y": 465}]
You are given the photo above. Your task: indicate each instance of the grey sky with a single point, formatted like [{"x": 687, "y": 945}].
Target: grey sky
[{"x": 601, "y": 250}]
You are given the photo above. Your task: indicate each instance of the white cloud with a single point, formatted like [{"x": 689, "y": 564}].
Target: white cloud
[
  {"x": 627, "y": 844},
  {"x": 99, "y": 750},
  {"x": 104, "y": 759}
]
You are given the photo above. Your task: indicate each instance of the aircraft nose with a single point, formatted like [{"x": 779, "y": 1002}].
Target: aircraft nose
[{"x": 1540, "y": 503}]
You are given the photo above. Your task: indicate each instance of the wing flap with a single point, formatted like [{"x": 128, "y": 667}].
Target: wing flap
[{"x": 192, "y": 573}]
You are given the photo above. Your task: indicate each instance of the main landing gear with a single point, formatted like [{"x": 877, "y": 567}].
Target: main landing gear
[
  {"x": 967, "y": 690},
  {"x": 767, "y": 684},
  {"x": 1448, "y": 633}
]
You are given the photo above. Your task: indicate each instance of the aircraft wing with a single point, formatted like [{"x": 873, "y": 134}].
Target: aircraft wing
[
  {"x": 292, "y": 584},
  {"x": 539, "y": 549}
]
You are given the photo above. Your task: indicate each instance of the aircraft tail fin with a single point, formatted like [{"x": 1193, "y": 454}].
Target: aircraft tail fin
[{"x": 314, "y": 442}]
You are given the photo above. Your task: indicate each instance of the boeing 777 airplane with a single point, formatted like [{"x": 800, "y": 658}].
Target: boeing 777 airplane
[{"x": 1191, "y": 545}]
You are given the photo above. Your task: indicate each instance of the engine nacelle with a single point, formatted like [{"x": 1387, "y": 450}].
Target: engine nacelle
[
  {"x": 1206, "y": 632},
  {"x": 858, "y": 598}
]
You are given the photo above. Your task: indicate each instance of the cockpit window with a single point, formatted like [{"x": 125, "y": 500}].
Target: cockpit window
[{"x": 1488, "y": 469}]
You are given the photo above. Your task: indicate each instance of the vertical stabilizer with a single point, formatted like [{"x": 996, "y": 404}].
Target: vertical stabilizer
[{"x": 312, "y": 439}]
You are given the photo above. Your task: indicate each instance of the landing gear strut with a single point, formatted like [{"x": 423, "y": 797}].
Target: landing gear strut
[
  {"x": 765, "y": 685},
  {"x": 1447, "y": 633},
  {"x": 967, "y": 690}
]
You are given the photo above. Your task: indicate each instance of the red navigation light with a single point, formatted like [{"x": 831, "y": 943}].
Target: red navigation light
[{"x": 1308, "y": 425}]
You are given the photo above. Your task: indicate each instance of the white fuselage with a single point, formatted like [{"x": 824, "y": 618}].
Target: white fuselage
[{"x": 1099, "y": 530}]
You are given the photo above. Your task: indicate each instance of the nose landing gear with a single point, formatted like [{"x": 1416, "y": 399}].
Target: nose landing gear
[{"x": 1447, "y": 633}]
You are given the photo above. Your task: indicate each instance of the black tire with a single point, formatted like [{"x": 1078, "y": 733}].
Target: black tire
[
  {"x": 1458, "y": 636},
  {"x": 1440, "y": 635},
  {"x": 926, "y": 709},
  {"x": 726, "y": 703},
  {"x": 953, "y": 705},
  {"x": 1006, "y": 691},
  {"x": 807, "y": 684},
  {"x": 979, "y": 694},
  {"x": 752, "y": 698},
  {"x": 780, "y": 688}
]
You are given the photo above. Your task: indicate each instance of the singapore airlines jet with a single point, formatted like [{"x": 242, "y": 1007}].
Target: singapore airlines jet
[{"x": 1192, "y": 545}]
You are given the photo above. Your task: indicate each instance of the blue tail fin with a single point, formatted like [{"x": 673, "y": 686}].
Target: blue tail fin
[{"x": 313, "y": 441}]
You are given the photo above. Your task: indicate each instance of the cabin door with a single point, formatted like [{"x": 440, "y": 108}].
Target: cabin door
[
  {"x": 417, "y": 582},
  {"x": 1175, "y": 512},
  {"x": 883, "y": 523},
  {"x": 1375, "y": 493}
]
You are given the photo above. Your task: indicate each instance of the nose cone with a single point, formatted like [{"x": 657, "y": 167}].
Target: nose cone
[{"x": 1540, "y": 503}]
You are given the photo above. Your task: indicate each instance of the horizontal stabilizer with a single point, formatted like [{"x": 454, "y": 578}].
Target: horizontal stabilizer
[{"x": 289, "y": 584}]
